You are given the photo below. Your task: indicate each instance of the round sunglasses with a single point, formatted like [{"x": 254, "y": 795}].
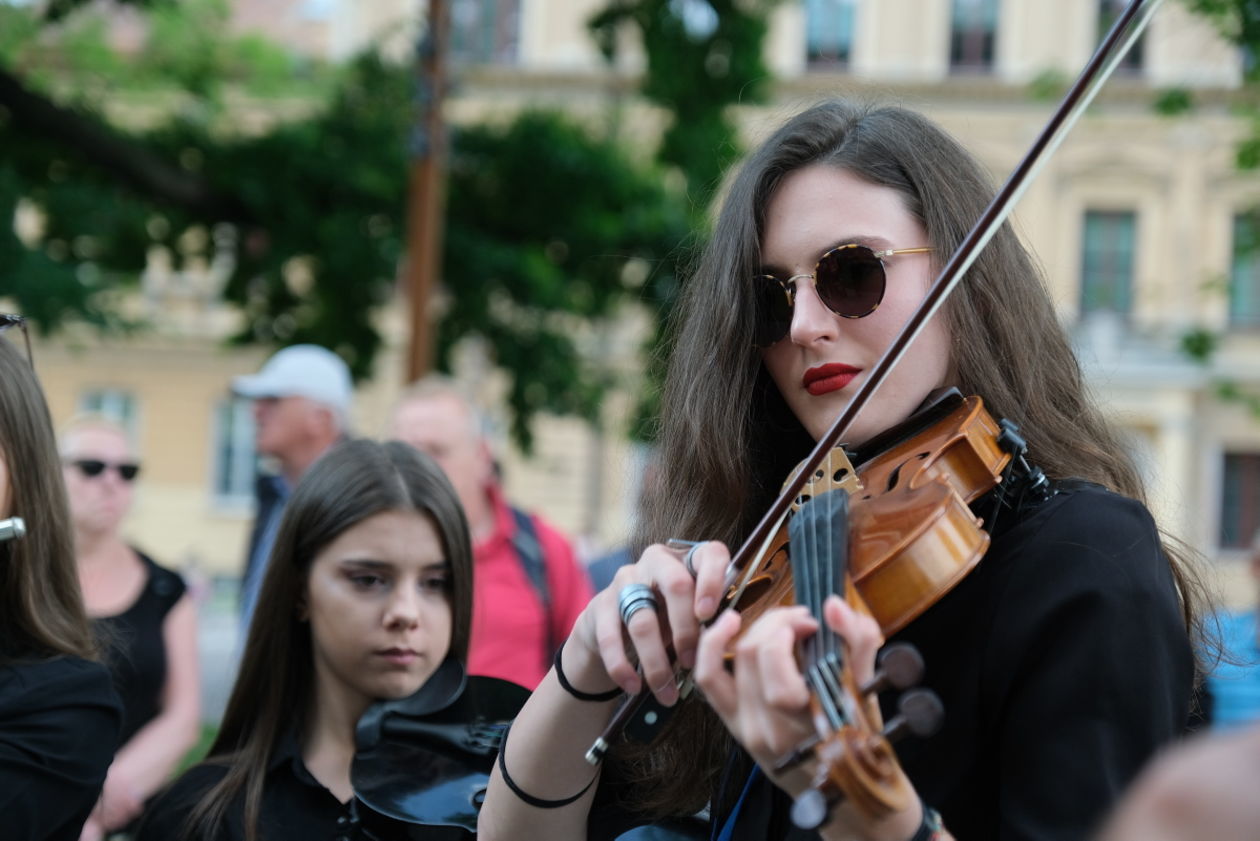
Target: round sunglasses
[
  {"x": 92, "y": 468},
  {"x": 849, "y": 279}
]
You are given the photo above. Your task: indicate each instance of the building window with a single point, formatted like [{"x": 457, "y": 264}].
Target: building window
[
  {"x": 1244, "y": 272},
  {"x": 235, "y": 463},
  {"x": 1240, "y": 500},
  {"x": 829, "y": 32},
  {"x": 973, "y": 34},
  {"x": 1107, "y": 261},
  {"x": 1108, "y": 12},
  {"x": 115, "y": 404},
  {"x": 485, "y": 31}
]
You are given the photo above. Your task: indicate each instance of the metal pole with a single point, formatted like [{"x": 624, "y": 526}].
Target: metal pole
[{"x": 427, "y": 188}]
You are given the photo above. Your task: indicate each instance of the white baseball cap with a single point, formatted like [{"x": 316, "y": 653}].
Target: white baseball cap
[{"x": 301, "y": 371}]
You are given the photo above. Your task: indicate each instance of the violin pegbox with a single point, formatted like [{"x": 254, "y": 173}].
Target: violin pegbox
[{"x": 835, "y": 472}]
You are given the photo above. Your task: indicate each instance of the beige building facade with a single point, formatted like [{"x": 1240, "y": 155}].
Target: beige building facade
[{"x": 1139, "y": 221}]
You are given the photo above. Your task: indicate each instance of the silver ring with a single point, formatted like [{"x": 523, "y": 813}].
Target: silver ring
[
  {"x": 689, "y": 558},
  {"x": 632, "y": 599},
  {"x": 678, "y": 545}
]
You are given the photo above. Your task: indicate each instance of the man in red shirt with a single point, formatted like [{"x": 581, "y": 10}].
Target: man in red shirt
[{"x": 528, "y": 587}]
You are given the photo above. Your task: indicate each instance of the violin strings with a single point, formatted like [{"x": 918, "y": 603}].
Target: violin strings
[{"x": 818, "y": 557}]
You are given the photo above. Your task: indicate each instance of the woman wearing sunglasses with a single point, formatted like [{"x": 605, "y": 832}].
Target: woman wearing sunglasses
[
  {"x": 145, "y": 617},
  {"x": 59, "y": 717},
  {"x": 368, "y": 591},
  {"x": 1063, "y": 660}
]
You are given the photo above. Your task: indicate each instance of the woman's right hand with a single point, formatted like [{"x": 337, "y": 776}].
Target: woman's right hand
[{"x": 683, "y": 603}]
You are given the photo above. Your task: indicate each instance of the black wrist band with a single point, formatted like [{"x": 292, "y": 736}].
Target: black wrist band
[
  {"x": 574, "y": 691},
  {"x": 536, "y": 802},
  {"x": 929, "y": 825}
]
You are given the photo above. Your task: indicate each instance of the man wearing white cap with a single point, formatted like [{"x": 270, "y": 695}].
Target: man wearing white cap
[{"x": 302, "y": 399}]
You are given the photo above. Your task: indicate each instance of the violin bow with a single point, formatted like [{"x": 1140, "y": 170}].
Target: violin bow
[{"x": 1124, "y": 33}]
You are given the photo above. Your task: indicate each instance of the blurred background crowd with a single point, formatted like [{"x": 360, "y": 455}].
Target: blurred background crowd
[{"x": 190, "y": 186}]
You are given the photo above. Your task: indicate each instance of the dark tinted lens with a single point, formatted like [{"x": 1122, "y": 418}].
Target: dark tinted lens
[
  {"x": 90, "y": 467},
  {"x": 850, "y": 281},
  {"x": 774, "y": 313},
  {"x": 128, "y": 471}
]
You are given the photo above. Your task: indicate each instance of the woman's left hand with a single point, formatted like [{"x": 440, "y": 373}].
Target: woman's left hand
[{"x": 764, "y": 703}]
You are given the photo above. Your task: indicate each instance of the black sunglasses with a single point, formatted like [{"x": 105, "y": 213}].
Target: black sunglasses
[
  {"x": 92, "y": 468},
  {"x": 7, "y": 321},
  {"x": 849, "y": 280}
]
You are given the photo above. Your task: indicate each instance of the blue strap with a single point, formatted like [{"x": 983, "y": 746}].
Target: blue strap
[{"x": 728, "y": 827}]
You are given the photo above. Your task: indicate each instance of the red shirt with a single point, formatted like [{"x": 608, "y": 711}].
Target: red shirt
[{"x": 509, "y": 637}]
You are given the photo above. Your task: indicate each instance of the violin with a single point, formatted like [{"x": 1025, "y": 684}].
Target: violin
[
  {"x": 892, "y": 536},
  {"x": 422, "y": 763},
  {"x": 908, "y": 533}
]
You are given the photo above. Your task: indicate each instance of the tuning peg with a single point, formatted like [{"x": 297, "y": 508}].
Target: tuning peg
[
  {"x": 797, "y": 756},
  {"x": 900, "y": 667},
  {"x": 812, "y": 809},
  {"x": 919, "y": 713}
]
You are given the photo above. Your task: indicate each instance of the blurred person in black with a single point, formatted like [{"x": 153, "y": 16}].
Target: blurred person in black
[
  {"x": 146, "y": 618},
  {"x": 59, "y": 716}
]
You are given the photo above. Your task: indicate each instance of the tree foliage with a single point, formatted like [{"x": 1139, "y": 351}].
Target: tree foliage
[
  {"x": 543, "y": 217},
  {"x": 548, "y": 231},
  {"x": 703, "y": 56}
]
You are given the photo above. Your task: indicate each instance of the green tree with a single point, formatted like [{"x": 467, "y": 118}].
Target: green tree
[
  {"x": 703, "y": 56},
  {"x": 543, "y": 217}
]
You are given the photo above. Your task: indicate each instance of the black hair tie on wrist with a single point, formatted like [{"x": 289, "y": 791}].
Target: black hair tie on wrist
[
  {"x": 536, "y": 802},
  {"x": 574, "y": 691},
  {"x": 930, "y": 827}
]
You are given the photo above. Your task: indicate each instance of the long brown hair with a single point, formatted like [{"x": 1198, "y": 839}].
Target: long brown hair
[
  {"x": 726, "y": 466},
  {"x": 41, "y": 605},
  {"x": 275, "y": 687}
]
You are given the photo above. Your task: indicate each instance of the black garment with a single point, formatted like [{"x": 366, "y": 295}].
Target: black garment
[
  {"x": 59, "y": 724},
  {"x": 1063, "y": 664},
  {"x": 136, "y": 654},
  {"x": 295, "y": 805}
]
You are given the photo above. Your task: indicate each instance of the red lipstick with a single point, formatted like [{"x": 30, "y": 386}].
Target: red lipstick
[{"x": 827, "y": 378}]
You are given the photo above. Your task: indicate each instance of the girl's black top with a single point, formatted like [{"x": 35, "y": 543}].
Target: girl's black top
[
  {"x": 1063, "y": 664},
  {"x": 136, "y": 647},
  {"x": 295, "y": 807},
  {"x": 59, "y": 722}
]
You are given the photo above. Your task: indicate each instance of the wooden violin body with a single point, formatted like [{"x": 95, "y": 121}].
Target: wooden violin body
[{"x": 915, "y": 536}]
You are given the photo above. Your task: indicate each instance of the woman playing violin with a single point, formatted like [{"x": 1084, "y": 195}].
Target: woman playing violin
[
  {"x": 1063, "y": 659},
  {"x": 368, "y": 591}
]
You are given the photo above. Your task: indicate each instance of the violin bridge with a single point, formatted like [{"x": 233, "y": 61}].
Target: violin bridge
[{"x": 835, "y": 472}]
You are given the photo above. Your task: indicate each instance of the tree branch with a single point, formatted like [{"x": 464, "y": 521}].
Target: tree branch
[{"x": 126, "y": 160}]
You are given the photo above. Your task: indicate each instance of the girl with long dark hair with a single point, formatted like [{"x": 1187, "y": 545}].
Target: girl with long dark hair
[
  {"x": 368, "y": 592},
  {"x": 1064, "y": 660},
  {"x": 59, "y": 717}
]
